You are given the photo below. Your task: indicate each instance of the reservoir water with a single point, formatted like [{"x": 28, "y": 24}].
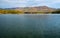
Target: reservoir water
[{"x": 29, "y": 26}]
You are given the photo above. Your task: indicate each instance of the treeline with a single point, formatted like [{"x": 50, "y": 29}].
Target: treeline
[
  {"x": 56, "y": 12},
  {"x": 21, "y": 12},
  {"x": 11, "y": 12}
]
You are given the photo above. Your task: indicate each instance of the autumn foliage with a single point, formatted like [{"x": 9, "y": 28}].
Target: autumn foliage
[{"x": 11, "y": 12}]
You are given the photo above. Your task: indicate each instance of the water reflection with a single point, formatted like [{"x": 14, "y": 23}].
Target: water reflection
[{"x": 29, "y": 26}]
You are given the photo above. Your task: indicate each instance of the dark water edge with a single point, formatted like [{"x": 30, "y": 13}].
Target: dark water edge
[{"x": 29, "y": 26}]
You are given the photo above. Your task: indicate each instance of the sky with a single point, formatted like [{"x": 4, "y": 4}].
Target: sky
[{"x": 29, "y": 3}]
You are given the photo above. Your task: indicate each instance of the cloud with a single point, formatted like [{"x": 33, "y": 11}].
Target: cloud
[{"x": 23, "y": 3}]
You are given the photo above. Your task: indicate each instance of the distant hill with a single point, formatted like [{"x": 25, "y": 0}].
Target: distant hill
[{"x": 33, "y": 9}]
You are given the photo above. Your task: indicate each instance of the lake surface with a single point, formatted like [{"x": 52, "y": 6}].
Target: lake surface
[{"x": 29, "y": 26}]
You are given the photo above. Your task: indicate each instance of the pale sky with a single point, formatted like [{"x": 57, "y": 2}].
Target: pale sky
[{"x": 26, "y": 3}]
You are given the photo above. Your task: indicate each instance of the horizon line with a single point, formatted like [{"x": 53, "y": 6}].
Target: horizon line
[{"x": 28, "y": 6}]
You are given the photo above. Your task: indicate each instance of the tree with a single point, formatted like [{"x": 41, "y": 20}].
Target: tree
[{"x": 56, "y": 12}]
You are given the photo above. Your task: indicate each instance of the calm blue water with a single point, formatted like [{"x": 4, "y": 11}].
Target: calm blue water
[{"x": 29, "y": 26}]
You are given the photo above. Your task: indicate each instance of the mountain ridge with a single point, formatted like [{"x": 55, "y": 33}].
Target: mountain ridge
[{"x": 39, "y": 9}]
